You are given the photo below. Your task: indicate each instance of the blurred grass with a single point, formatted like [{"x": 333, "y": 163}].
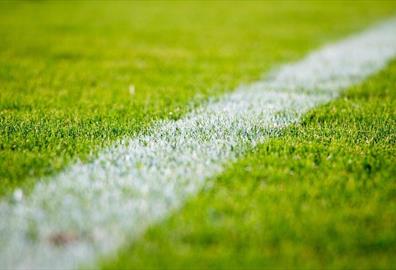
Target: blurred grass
[
  {"x": 66, "y": 67},
  {"x": 321, "y": 196}
]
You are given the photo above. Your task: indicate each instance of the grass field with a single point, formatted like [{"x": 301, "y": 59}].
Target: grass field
[
  {"x": 77, "y": 77},
  {"x": 65, "y": 81},
  {"x": 322, "y": 195}
]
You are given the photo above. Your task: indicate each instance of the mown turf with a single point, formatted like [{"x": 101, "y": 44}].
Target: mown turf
[
  {"x": 66, "y": 68},
  {"x": 322, "y": 195}
]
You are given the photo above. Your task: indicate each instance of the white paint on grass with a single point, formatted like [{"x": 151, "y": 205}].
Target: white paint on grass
[{"x": 91, "y": 209}]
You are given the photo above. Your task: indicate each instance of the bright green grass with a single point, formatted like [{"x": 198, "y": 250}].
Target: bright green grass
[
  {"x": 322, "y": 195},
  {"x": 65, "y": 68}
]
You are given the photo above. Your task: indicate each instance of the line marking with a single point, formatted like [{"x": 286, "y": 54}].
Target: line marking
[{"x": 89, "y": 210}]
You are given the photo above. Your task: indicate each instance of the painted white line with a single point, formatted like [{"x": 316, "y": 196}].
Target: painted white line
[{"x": 90, "y": 209}]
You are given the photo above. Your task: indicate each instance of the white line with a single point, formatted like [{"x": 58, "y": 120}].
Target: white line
[{"x": 89, "y": 209}]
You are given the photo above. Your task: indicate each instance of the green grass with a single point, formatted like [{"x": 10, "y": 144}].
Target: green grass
[
  {"x": 321, "y": 195},
  {"x": 65, "y": 68}
]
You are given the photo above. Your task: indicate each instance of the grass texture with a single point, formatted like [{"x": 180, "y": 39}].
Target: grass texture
[
  {"x": 320, "y": 196},
  {"x": 66, "y": 70}
]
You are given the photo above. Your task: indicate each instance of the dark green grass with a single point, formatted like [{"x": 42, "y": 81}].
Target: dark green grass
[
  {"x": 321, "y": 195},
  {"x": 65, "y": 67}
]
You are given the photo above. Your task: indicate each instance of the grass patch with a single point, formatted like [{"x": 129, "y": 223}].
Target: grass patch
[
  {"x": 321, "y": 195},
  {"x": 66, "y": 68}
]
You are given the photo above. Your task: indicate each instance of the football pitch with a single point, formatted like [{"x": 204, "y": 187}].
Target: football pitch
[{"x": 206, "y": 135}]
